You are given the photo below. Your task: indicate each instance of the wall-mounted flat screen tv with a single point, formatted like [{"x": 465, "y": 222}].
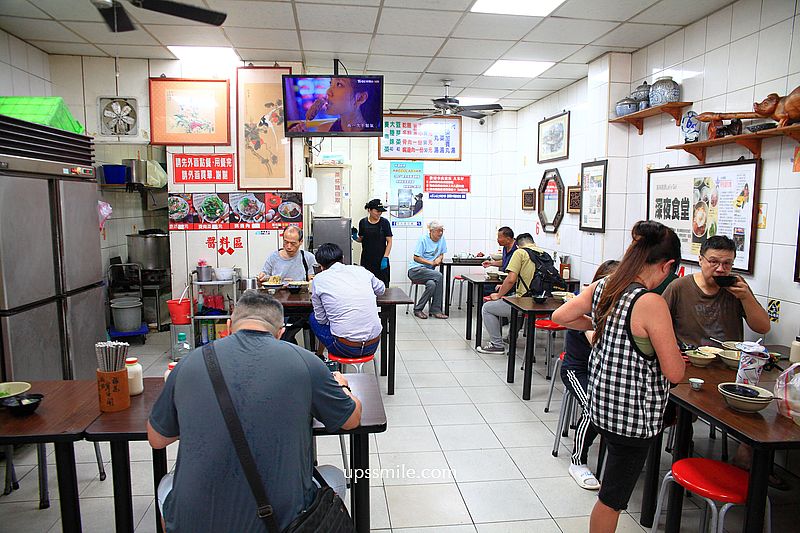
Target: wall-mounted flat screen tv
[{"x": 324, "y": 106}]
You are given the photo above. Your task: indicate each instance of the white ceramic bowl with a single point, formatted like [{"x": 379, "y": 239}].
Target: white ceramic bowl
[
  {"x": 730, "y": 358},
  {"x": 696, "y": 383},
  {"x": 12, "y": 388},
  {"x": 700, "y": 359},
  {"x": 710, "y": 350},
  {"x": 743, "y": 403}
]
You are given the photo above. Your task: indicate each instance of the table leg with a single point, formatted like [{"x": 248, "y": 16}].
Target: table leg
[
  {"x": 512, "y": 347},
  {"x": 392, "y": 346},
  {"x": 159, "y": 471},
  {"x": 479, "y": 315},
  {"x": 123, "y": 496},
  {"x": 68, "y": 487},
  {"x": 384, "y": 344},
  {"x": 447, "y": 290},
  {"x": 650, "y": 492},
  {"x": 44, "y": 492},
  {"x": 680, "y": 450},
  {"x": 359, "y": 494},
  {"x": 529, "y": 346},
  {"x": 757, "y": 489},
  {"x": 469, "y": 310}
]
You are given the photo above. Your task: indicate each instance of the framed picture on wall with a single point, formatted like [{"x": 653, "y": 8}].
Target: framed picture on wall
[
  {"x": 553, "y": 140},
  {"x": 551, "y": 200},
  {"x": 702, "y": 201},
  {"x": 529, "y": 199},
  {"x": 593, "y": 196},
  {"x": 190, "y": 112},
  {"x": 574, "y": 200},
  {"x": 264, "y": 154}
]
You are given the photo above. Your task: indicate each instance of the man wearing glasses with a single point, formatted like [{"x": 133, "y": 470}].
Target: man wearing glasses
[{"x": 704, "y": 306}]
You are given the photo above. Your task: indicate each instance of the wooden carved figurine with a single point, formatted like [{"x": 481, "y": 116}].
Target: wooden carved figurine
[{"x": 782, "y": 109}]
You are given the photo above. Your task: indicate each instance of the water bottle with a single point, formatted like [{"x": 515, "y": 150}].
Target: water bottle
[
  {"x": 794, "y": 355},
  {"x": 181, "y": 348}
]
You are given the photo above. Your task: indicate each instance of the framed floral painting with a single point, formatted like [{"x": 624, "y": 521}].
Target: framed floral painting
[
  {"x": 190, "y": 112},
  {"x": 264, "y": 152}
]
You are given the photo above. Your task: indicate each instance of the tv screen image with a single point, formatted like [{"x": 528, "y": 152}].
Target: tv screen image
[{"x": 319, "y": 106}]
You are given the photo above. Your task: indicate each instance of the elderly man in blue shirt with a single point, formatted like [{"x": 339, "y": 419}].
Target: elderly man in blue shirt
[
  {"x": 345, "y": 317},
  {"x": 428, "y": 255}
]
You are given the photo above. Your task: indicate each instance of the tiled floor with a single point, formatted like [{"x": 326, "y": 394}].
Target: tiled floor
[{"x": 453, "y": 415}]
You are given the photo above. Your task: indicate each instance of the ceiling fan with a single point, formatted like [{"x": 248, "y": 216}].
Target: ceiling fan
[
  {"x": 448, "y": 106},
  {"x": 118, "y": 20}
]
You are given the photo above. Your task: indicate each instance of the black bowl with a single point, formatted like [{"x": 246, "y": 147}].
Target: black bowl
[
  {"x": 22, "y": 404},
  {"x": 294, "y": 289},
  {"x": 725, "y": 281},
  {"x": 738, "y": 390},
  {"x": 540, "y": 299}
]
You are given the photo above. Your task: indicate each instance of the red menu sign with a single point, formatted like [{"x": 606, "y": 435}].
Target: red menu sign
[
  {"x": 234, "y": 211},
  {"x": 446, "y": 183},
  {"x": 203, "y": 168}
]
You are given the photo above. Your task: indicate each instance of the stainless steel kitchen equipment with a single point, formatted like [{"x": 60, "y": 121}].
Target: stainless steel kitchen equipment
[
  {"x": 138, "y": 170},
  {"x": 335, "y": 230},
  {"x": 150, "y": 250},
  {"x": 248, "y": 283},
  {"x": 51, "y": 280}
]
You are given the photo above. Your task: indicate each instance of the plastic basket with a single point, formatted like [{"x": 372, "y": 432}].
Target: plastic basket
[{"x": 47, "y": 110}]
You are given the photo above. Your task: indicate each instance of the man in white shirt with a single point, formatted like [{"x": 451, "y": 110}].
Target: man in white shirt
[{"x": 345, "y": 317}]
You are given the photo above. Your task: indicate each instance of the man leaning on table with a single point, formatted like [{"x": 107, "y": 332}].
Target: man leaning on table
[
  {"x": 276, "y": 388},
  {"x": 428, "y": 255},
  {"x": 520, "y": 274},
  {"x": 345, "y": 317},
  {"x": 701, "y": 309}
]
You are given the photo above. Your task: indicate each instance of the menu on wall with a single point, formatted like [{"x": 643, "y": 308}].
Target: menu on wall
[
  {"x": 406, "y": 186},
  {"x": 447, "y": 187},
  {"x": 203, "y": 168},
  {"x": 703, "y": 201},
  {"x": 235, "y": 210},
  {"x": 411, "y": 137}
]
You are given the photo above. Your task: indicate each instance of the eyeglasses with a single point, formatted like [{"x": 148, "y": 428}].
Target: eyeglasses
[{"x": 715, "y": 263}]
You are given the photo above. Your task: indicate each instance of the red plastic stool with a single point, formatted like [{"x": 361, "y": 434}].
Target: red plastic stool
[
  {"x": 460, "y": 279},
  {"x": 714, "y": 481},
  {"x": 552, "y": 328},
  {"x": 357, "y": 362}
]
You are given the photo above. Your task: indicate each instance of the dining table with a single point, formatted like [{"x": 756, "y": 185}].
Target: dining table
[
  {"x": 446, "y": 268},
  {"x": 527, "y": 306},
  {"x": 765, "y": 431},
  {"x": 387, "y": 302},
  {"x": 475, "y": 292},
  {"x": 67, "y": 408}
]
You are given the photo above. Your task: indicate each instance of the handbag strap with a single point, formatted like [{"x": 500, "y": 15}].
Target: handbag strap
[{"x": 265, "y": 511}]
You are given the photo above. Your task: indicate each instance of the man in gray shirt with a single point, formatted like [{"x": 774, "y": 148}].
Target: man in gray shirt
[
  {"x": 290, "y": 262},
  {"x": 276, "y": 389}
]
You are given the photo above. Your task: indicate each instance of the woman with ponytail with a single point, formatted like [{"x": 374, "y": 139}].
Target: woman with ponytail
[{"x": 634, "y": 358}]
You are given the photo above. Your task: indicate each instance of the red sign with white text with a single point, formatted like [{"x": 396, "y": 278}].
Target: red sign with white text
[
  {"x": 203, "y": 168},
  {"x": 446, "y": 183}
]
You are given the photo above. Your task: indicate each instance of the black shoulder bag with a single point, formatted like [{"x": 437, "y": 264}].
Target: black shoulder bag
[{"x": 327, "y": 513}]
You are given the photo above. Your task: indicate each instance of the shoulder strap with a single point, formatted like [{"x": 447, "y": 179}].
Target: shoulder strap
[
  {"x": 265, "y": 511},
  {"x": 305, "y": 263}
]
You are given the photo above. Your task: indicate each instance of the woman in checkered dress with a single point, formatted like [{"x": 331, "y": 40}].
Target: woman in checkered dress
[{"x": 634, "y": 358}]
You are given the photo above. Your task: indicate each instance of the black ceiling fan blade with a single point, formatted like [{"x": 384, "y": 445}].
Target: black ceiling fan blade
[
  {"x": 470, "y": 114},
  {"x": 410, "y": 110},
  {"x": 184, "y": 11},
  {"x": 482, "y": 107},
  {"x": 116, "y": 17}
]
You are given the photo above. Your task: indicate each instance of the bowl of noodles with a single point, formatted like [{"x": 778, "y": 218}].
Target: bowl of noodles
[
  {"x": 699, "y": 219},
  {"x": 290, "y": 210}
]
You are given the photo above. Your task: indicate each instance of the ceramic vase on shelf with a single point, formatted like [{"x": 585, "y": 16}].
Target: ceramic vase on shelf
[
  {"x": 626, "y": 106},
  {"x": 664, "y": 91},
  {"x": 642, "y": 94}
]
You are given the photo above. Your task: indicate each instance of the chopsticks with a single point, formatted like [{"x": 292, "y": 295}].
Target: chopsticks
[{"x": 111, "y": 355}]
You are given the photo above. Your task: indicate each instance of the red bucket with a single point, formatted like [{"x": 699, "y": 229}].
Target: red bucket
[{"x": 180, "y": 311}]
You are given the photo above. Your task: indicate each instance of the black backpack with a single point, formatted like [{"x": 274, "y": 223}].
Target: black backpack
[{"x": 546, "y": 277}]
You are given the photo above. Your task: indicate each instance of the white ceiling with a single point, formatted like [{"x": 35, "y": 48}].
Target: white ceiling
[{"x": 414, "y": 43}]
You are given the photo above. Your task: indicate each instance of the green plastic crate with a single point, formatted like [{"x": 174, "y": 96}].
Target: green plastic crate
[{"x": 47, "y": 110}]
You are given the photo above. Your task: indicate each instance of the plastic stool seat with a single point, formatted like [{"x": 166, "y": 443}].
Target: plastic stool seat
[
  {"x": 351, "y": 360},
  {"x": 712, "y": 479},
  {"x": 544, "y": 323}
]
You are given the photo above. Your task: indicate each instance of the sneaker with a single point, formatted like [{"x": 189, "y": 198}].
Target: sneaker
[
  {"x": 489, "y": 348},
  {"x": 584, "y": 477}
]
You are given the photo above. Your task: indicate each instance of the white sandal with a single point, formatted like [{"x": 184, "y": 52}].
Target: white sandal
[{"x": 584, "y": 477}]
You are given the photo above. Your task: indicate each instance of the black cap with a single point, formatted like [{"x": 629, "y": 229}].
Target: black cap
[{"x": 375, "y": 204}]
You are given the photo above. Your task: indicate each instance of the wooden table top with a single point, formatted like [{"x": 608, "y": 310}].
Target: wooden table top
[
  {"x": 467, "y": 261},
  {"x": 764, "y": 427},
  {"x": 130, "y": 424},
  {"x": 717, "y": 373},
  {"x": 365, "y": 387},
  {"x": 66, "y": 409},
  {"x": 480, "y": 278},
  {"x": 392, "y": 296},
  {"x": 527, "y": 305}
]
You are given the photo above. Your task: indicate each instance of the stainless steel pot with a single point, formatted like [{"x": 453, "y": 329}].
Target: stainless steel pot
[
  {"x": 138, "y": 172},
  {"x": 204, "y": 273},
  {"x": 248, "y": 283},
  {"x": 150, "y": 251}
]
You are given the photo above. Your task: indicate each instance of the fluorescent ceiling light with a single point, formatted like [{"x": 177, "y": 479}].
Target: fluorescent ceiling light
[
  {"x": 525, "y": 8},
  {"x": 211, "y": 55},
  {"x": 518, "y": 69},
  {"x": 475, "y": 100}
]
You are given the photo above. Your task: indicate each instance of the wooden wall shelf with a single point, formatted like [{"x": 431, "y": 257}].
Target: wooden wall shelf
[
  {"x": 751, "y": 141},
  {"x": 674, "y": 109}
]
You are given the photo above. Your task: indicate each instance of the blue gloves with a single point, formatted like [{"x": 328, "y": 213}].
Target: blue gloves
[
  {"x": 354, "y": 234},
  {"x": 384, "y": 263}
]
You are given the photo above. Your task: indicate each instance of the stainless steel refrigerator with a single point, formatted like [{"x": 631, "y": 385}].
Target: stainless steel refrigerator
[
  {"x": 335, "y": 230},
  {"x": 52, "y": 295}
]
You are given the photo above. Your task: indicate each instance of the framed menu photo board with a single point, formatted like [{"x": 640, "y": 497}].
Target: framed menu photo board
[
  {"x": 702, "y": 201},
  {"x": 592, "y": 207},
  {"x": 411, "y": 137}
]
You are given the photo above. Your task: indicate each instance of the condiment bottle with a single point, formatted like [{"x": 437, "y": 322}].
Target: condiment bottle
[
  {"x": 794, "y": 355},
  {"x": 135, "y": 377},
  {"x": 169, "y": 369}
]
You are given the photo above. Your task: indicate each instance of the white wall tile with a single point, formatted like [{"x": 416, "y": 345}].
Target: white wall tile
[
  {"x": 655, "y": 57},
  {"x": 773, "y": 11},
  {"x": 716, "y": 72},
  {"x": 742, "y": 63},
  {"x": 695, "y": 39},
  {"x": 774, "y": 44},
  {"x": 66, "y": 72},
  {"x": 693, "y": 77},
  {"x": 673, "y": 48},
  {"x": 718, "y": 31},
  {"x": 99, "y": 79},
  {"x": 21, "y": 84},
  {"x": 18, "y": 53},
  {"x": 746, "y": 17},
  {"x": 5, "y": 56},
  {"x": 639, "y": 64},
  {"x": 6, "y": 84}
]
